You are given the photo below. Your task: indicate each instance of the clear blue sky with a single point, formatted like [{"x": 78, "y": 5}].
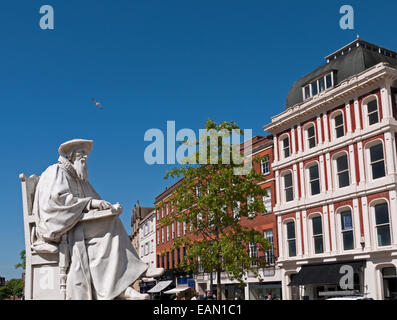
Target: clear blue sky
[{"x": 148, "y": 62}]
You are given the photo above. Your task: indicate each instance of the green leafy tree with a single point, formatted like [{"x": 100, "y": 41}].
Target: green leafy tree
[
  {"x": 212, "y": 199},
  {"x": 13, "y": 289},
  {"x": 22, "y": 264}
]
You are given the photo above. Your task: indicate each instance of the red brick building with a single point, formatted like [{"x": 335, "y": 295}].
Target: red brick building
[{"x": 264, "y": 222}]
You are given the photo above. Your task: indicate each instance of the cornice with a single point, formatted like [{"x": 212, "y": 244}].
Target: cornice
[{"x": 341, "y": 92}]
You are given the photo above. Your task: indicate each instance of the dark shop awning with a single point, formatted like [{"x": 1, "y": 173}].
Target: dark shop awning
[{"x": 322, "y": 273}]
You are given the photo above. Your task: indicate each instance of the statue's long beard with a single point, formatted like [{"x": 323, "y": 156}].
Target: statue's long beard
[{"x": 81, "y": 169}]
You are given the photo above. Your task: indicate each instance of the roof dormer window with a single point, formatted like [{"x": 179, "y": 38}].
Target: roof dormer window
[{"x": 318, "y": 85}]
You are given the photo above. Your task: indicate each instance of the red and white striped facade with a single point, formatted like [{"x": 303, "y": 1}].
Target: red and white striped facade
[{"x": 350, "y": 99}]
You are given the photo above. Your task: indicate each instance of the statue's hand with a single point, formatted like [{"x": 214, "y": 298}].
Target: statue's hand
[
  {"x": 118, "y": 207},
  {"x": 100, "y": 204}
]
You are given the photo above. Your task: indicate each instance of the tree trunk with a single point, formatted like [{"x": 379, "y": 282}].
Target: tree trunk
[{"x": 218, "y": 285}]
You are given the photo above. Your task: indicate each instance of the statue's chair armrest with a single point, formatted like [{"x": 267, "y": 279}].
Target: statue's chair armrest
[{"x": 99, "y": 214}]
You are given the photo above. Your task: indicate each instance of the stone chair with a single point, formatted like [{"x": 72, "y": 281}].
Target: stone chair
[
  {"x": 46, "y": 264},
  {"x": 45, "y": 273}
]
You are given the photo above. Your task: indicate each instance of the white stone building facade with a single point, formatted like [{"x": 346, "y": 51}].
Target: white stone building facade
[{"x": 336, "y": 176}]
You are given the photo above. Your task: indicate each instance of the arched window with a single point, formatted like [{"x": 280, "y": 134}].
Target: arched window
[
  {"x": 313, "y": 177},
  {"x": 376, "y": 160},
  {"x": 310, "y": 136},
  {"x": 291, "y": 238},
  {"x": 288, "y": 186},
  {"x": 285, "y": 149},
  {"x": 372, "y": 111},
  {"x": 341, "y": 168},
  {"x": 346, "y": 223},
  {"x": 317, "y": 234},
  {"x": 382, "y": 223},
  {"x": 338, "y": 124}
]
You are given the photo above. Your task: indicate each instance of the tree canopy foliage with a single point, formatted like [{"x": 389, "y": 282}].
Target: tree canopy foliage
[{"x": 210, "y": 201}]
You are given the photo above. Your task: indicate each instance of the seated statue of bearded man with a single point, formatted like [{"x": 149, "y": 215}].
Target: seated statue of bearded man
[{"x": 104, "y": 264}]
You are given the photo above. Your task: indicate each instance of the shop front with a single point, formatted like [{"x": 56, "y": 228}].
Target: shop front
[
  {"x": 326, "y": 280},
  {"x": 265, "y": 291}
]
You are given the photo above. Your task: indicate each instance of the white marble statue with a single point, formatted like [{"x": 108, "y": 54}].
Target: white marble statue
[{"x": 104, "y": 263}]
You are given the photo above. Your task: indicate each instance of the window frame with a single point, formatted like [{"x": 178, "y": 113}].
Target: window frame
[
  {"x": 269, "y": 253},
  {"x": 369, "y": 162},
  {"x": 236, "y": 211},
  {"x": 267, "y": 163},
  {"x": 307, "y": 139},
  {"x": 317, "y": 82},
  {"x": 284, "y": 195},
  {"x": 335, "y": 127},
  {"x": 253, "y": 253},
  {"x": 268, "y": 198},
  {"x": 372, "y": 206},
  {"x": 341, "y": 232},
  {"x": 288, "y": 240},
  {"x": 313, "y": 236},
  {"x": 282, "y": 148},
  {"x": 308, "y": 178},
  {"x": 364, "y": 104},
  {"x": 336, "y": 173}
]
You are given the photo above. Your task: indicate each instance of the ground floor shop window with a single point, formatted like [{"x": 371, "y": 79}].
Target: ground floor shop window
[
  {"x": 269, "y": 291},
  {"x": 233, "y": 292},
  {"x": 389, "y": 277}
]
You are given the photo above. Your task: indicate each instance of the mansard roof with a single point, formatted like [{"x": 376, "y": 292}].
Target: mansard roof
[{"x": 350, "y": 60}]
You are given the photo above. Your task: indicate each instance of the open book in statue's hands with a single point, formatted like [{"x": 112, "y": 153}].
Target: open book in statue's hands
[{"x": 115, "y": 210}]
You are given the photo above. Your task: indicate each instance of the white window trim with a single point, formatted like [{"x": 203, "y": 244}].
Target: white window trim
[
  {"x": 236, "y": 210},
  {"x": 268, "y": 198},
  {"x": 307, "y": 178},
  {"x": 283, "y": 195},
  {"x": 367, "y": 153},
  {"x": 339, "y": 237},
  {"x": 286, "y": 242},
  {"x": 272, "y": 243},
  {"x": 311, "y": 235},
  {"x": 250, "y": 200},
  {"x": 262, "y": 162},
  {"x": 364, "y": 108},
  {"x": 281, "y": 146},
  {"x": 333, "y": 126},
  {"x": 335, "y": 169},
  {"x": 306, "y": 135},
  {"x": 172, "y": 207},
  {"x": 318, "y": 86},
  {"x": 372, "y": 205},
  {"x": 162, "y": 235},
  {"x": 253, "y": 245}
]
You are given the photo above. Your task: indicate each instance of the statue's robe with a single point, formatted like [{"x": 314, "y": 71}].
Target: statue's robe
[{"x": 103, "y": 260}]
